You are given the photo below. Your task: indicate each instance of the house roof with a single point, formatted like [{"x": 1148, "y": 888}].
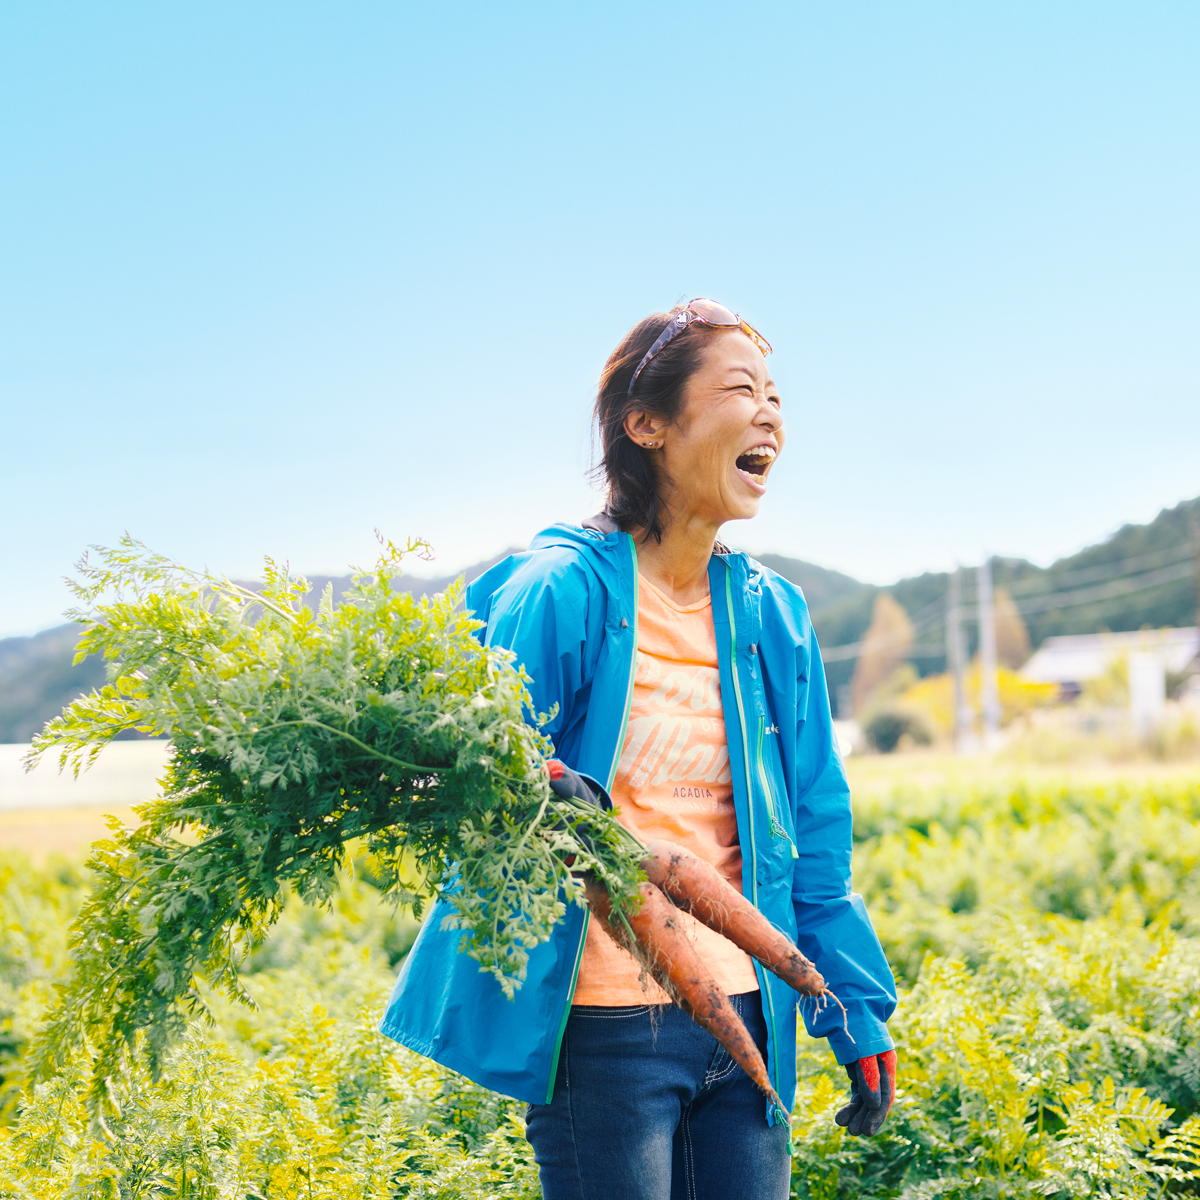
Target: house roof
[{"x": 1074, "y": 658}]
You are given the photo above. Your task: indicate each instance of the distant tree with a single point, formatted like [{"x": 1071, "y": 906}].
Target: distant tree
[
  {"x": 885, "y": 645},
  {"x": 1012, "y": 635},
  {"x": 887, "y": 725},
  {"x": 933, "y": 696}
]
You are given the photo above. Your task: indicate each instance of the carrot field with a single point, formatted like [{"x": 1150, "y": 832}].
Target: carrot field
[{"x": 1044, "y": 926}]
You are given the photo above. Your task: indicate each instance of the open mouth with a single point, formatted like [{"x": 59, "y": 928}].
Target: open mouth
[{"x": 756, "y": 462}]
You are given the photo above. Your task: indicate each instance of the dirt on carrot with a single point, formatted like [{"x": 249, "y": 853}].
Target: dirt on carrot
[
  {"x": 653, "y": 936},
  {"x": 698, "y": 888}
]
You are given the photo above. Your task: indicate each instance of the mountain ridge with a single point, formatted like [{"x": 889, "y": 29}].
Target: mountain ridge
[{"x": 37, "y": 678}]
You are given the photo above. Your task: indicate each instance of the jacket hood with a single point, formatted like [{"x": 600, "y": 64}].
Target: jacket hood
[
  {"x": 600, "y": 533},
  {"x": 597, "y": 539}
]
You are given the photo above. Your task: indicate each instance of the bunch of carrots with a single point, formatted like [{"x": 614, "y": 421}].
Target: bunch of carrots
[{"x": 678, "y": 880}]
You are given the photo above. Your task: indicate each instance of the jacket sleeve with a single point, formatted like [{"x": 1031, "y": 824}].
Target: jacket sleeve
[{"x": 833, "y": 928}]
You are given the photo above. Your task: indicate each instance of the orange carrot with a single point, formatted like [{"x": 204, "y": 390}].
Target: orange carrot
[
  {"x": 662, "y": 947},
  {"x": 700, "y": 889}
]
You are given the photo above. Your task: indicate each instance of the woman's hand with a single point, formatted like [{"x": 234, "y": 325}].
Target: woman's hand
[
  {"x": 872, "y": 1089},
  {"x": 571, "y": 785}
]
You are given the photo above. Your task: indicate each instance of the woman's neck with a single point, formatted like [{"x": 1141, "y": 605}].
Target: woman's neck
[{"x": 678, "y": 565}]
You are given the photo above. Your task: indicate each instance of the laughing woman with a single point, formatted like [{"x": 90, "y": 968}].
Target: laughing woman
[{"x": 685, "y": 683}]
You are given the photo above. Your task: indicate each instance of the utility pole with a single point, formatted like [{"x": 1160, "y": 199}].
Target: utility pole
[
  {"x": 987, "y": 657},
  {"x": 956, "y": 655},
  {"x": 1194, "y": 523}
]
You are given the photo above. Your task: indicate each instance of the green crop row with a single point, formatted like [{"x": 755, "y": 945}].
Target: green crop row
[
  {"x": 298, "y": 1097},
  {"x": 1050, "y": 1031},
  {"x": 1047, "y": 941}
]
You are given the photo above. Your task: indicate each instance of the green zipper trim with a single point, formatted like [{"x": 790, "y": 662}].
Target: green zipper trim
[
  {"x": 764, "y": 987},
  {"x": 776, "y": 825},
  {"x": 562, "y": 1025},
  {"x": 612, "y": 774},
  {"x": 737, "y": 692}
]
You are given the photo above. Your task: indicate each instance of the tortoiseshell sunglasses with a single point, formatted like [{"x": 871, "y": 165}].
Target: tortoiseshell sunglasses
[{"x": 707, "y": 312}]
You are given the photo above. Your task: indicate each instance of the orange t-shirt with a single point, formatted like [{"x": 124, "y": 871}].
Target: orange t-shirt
[{"x": 673, "y": 782}]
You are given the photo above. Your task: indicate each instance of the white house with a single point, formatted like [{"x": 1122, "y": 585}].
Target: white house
[{"x": 1077, "y": 657}]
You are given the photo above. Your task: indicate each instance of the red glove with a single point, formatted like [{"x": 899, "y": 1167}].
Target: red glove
[{"x": 872, "y": 1090}]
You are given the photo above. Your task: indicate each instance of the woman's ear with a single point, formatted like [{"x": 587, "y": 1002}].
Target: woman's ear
[{"x": 644, "y": 429}]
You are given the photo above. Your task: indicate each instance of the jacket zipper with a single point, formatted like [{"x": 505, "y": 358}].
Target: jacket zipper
[
  {"x": 764, "y": 987},
  {"x": 612, "y": 774},
  {"x": 776, "y": 825},
  {"x": 737, "y": 691}
]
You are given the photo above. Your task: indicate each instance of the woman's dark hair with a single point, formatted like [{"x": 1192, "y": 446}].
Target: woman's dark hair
[{"x": 627, "y": 468}]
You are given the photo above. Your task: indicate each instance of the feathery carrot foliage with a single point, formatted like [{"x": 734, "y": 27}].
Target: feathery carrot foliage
[
  {"x": 296, "y": 1098},
  {"x": 1049, "y": 1032},
  {"x": 1047, "y": 942},
  {"x": 1048, "y": 1029},
  {"x": 379, "y": 721}
]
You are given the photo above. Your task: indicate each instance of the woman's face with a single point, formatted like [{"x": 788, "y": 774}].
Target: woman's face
[{"x": 716, "y": 458}]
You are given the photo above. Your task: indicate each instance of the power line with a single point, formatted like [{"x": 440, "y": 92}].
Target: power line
[
  {"x": 1097, "y": 574},
  {"x": 932, "y": 613},
  {"x": 841, "y": 653},
  {"x": 1106, "y": 591},
  {"x": 1064, "y": 599}
]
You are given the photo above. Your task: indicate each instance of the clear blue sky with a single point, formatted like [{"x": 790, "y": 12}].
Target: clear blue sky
[{"x": 272, "y": 275}]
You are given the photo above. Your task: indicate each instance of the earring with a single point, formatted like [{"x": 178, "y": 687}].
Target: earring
[{"x": 652, "y": 445}]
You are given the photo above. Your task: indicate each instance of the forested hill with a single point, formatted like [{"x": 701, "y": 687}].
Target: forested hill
[
  {"x": 37, "y": 680},
  {"x": 1141, "y": 576},
  {"x": 822, "y": 587},
  {"x": 1144, "y": 575}
]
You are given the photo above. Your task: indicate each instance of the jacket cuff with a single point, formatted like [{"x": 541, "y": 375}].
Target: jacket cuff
[
  {"x": 602, "y": 796},
  {"x": 846, "y": 1051}
]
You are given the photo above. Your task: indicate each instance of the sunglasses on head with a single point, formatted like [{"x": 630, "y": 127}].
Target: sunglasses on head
[{"x": 707, "y": 312}]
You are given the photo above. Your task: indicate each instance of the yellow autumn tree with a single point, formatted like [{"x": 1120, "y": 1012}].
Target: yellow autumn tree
[
  {"x": 885, "y": 645},
  {"x": 933, "y": 696},
  {"x": 1012, "y": 636}
]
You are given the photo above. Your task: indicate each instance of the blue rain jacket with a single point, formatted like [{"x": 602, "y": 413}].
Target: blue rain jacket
[{"x": 567, "y": 607}]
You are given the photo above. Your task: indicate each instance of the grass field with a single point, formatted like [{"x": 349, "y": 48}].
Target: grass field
[
  {"x": 1044, "y": 924},
  {"x": 57, "y": 832}
]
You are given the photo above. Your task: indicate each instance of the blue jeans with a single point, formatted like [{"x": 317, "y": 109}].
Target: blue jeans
[{"x": 648, "y": 1106}]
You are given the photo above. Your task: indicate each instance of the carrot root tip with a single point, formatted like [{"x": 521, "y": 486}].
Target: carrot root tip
[{"x": 845, "y": 1016}]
